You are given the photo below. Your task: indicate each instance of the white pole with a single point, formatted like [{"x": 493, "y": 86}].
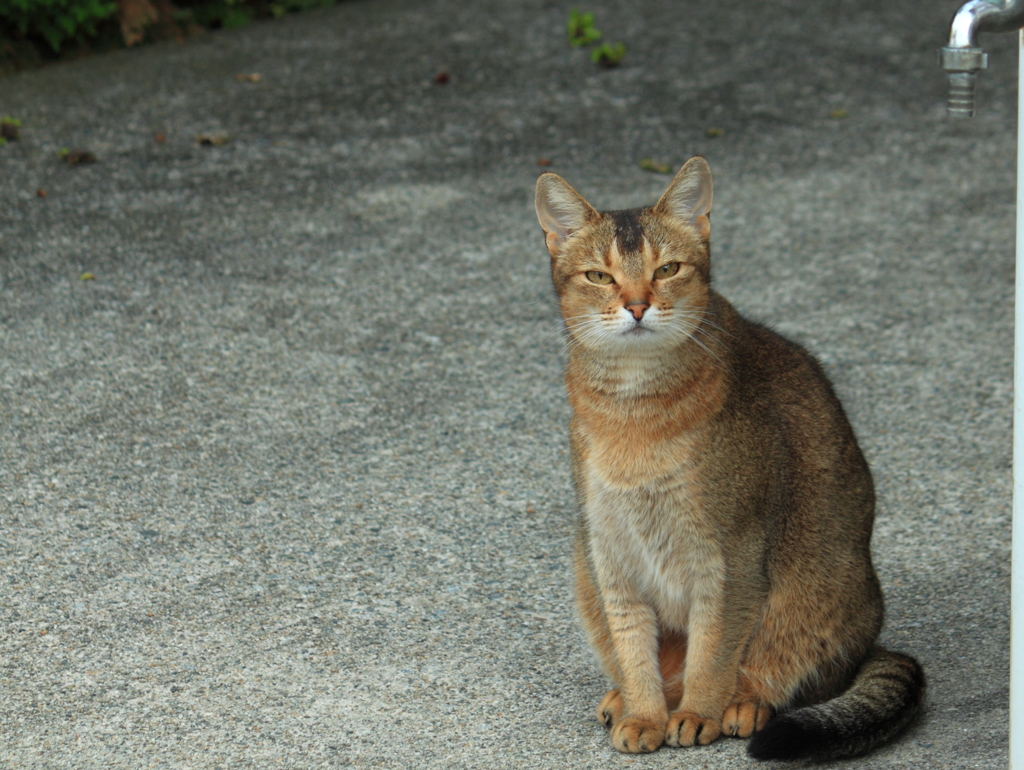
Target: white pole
[{"x": 1017, "y": 546}]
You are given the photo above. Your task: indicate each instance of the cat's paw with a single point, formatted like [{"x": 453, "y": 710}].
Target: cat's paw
[
  {"x": 610, "y": 709},
  {"x": 637, "y": 736},
  {"x": 688, "y": 729},
  {"x": 744, "y": 719}
]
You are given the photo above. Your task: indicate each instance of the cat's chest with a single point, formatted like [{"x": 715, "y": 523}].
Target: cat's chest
[
  {"x": 660, "y": 540},
  {"x": 648, "y": 439},
  {"x": 634, "y": 452}
]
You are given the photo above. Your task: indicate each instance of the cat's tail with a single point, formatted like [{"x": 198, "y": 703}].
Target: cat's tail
[{"x": 885, "y": 696}]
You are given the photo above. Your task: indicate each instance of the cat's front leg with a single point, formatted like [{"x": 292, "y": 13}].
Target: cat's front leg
[
  {"x": 644, "y": 716},
  {"x": 721, "y": 621},
  {"x": 707, "y": 690},
  {"x": 633, "y": 628}
]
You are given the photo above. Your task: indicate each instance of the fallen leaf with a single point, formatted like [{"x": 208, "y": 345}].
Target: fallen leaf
[
  {"x": 253, "y": 78},
  {"x": 40, "y": 193},
  {"x": 160, "y": 138},
  {"x": 714, "y": 133},
  {"x": 441, "y": 78},
  {"x": 652, "y": 165},
  {"x": 87, "y": 277},
  {"x": 839, "y": 113},
  {"x": 212, "y": 140},
  {"x": 543, "y": 161},
  {"x": 77, "y": 157}
]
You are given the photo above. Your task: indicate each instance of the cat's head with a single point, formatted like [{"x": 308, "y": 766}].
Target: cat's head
[{"x": 630, "y": 278}]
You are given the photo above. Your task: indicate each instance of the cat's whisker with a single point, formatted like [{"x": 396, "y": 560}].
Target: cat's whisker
[
  {"x": 561, "y": 325},
  {"x": 567, "y": 337},
  {"x": 693, "y": 332},
  {"x": 588, "y": 335},
  {"x": 710, "y": 352},
  {"x": 587, "y": 327},
  {"x": 703, "y": 317}
]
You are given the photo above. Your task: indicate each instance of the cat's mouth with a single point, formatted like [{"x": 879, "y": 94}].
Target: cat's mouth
[{"x": 638, "y": 331}]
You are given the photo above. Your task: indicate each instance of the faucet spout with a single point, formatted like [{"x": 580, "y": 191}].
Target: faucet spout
[{"x": 963, "y": 58}]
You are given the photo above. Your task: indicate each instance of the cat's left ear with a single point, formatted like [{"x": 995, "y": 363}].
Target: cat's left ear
[
  {"x": 688, "y": 198},
  {"x": 561, "y": 211}
]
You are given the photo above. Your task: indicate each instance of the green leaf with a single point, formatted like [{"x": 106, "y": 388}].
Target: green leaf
[
  {"x": 580, "y": 29},
  {"x": 55, "y": 21},
  {"x": 608, "y": 55}
]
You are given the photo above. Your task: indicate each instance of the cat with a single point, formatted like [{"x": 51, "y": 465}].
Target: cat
[{"x": 723, "y": 559}]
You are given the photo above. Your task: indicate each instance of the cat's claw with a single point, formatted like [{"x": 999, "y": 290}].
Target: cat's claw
[
  {"x": 637, "y": 736},
  {"x": 610, "y": 709},
  {"x": 688, "y": 729},
  {"x": 742, "y": 720}
]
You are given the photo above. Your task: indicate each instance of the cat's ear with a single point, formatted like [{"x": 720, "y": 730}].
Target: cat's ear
[
  {"x": 561, "y": 211},
  {"x": 688, "y": 198}
]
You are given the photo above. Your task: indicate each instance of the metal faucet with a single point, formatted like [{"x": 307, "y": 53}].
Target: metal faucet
[{"x": 963, "y": 57}]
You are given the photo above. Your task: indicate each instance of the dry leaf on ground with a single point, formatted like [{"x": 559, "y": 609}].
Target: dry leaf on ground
[{"x": 212, "y": 140}]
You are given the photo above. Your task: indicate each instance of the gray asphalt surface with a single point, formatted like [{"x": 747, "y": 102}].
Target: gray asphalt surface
[{"x": 287, "y": 483}]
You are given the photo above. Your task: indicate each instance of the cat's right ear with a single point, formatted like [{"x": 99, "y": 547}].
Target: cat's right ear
[{"x": 561, "y": 211}]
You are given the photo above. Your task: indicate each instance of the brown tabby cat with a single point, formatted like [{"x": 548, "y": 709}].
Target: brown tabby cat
[{"x": 723, "y": 563}]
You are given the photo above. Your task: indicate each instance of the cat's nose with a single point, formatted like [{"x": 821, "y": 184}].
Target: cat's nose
[{"x": 637, "y": 308}]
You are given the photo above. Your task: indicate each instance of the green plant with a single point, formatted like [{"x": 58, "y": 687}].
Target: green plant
[
  {"x": 608, "y": 55},
  {"x": 34, "y": 32},
  {"x": 56, "y": 21},
  {"x": 9, "y": 130},
  {"x": 217, "y": 14},
  {"x": 581, "y": 29},
  {"x": 225, "y": 14},
  {"x": 282, "y": 7}
]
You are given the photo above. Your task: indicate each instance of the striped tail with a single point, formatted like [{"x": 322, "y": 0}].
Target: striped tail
[{"x": 884, "y": 698}]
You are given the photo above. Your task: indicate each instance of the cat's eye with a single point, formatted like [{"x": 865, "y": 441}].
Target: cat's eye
[
  {"x": 667, "y": 271},
  {"x": 596, "y": 276}
]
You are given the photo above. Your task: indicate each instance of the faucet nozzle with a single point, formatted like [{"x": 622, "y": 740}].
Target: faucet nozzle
[
  {"x": 963, "y": 65},
  {"x": 961, "y": 94}
]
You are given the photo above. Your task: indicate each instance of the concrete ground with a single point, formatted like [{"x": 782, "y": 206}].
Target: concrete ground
[{"x": 286, "y": 483}]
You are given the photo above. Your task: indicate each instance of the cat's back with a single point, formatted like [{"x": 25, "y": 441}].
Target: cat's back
[{"x": 791, "y": 408}]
